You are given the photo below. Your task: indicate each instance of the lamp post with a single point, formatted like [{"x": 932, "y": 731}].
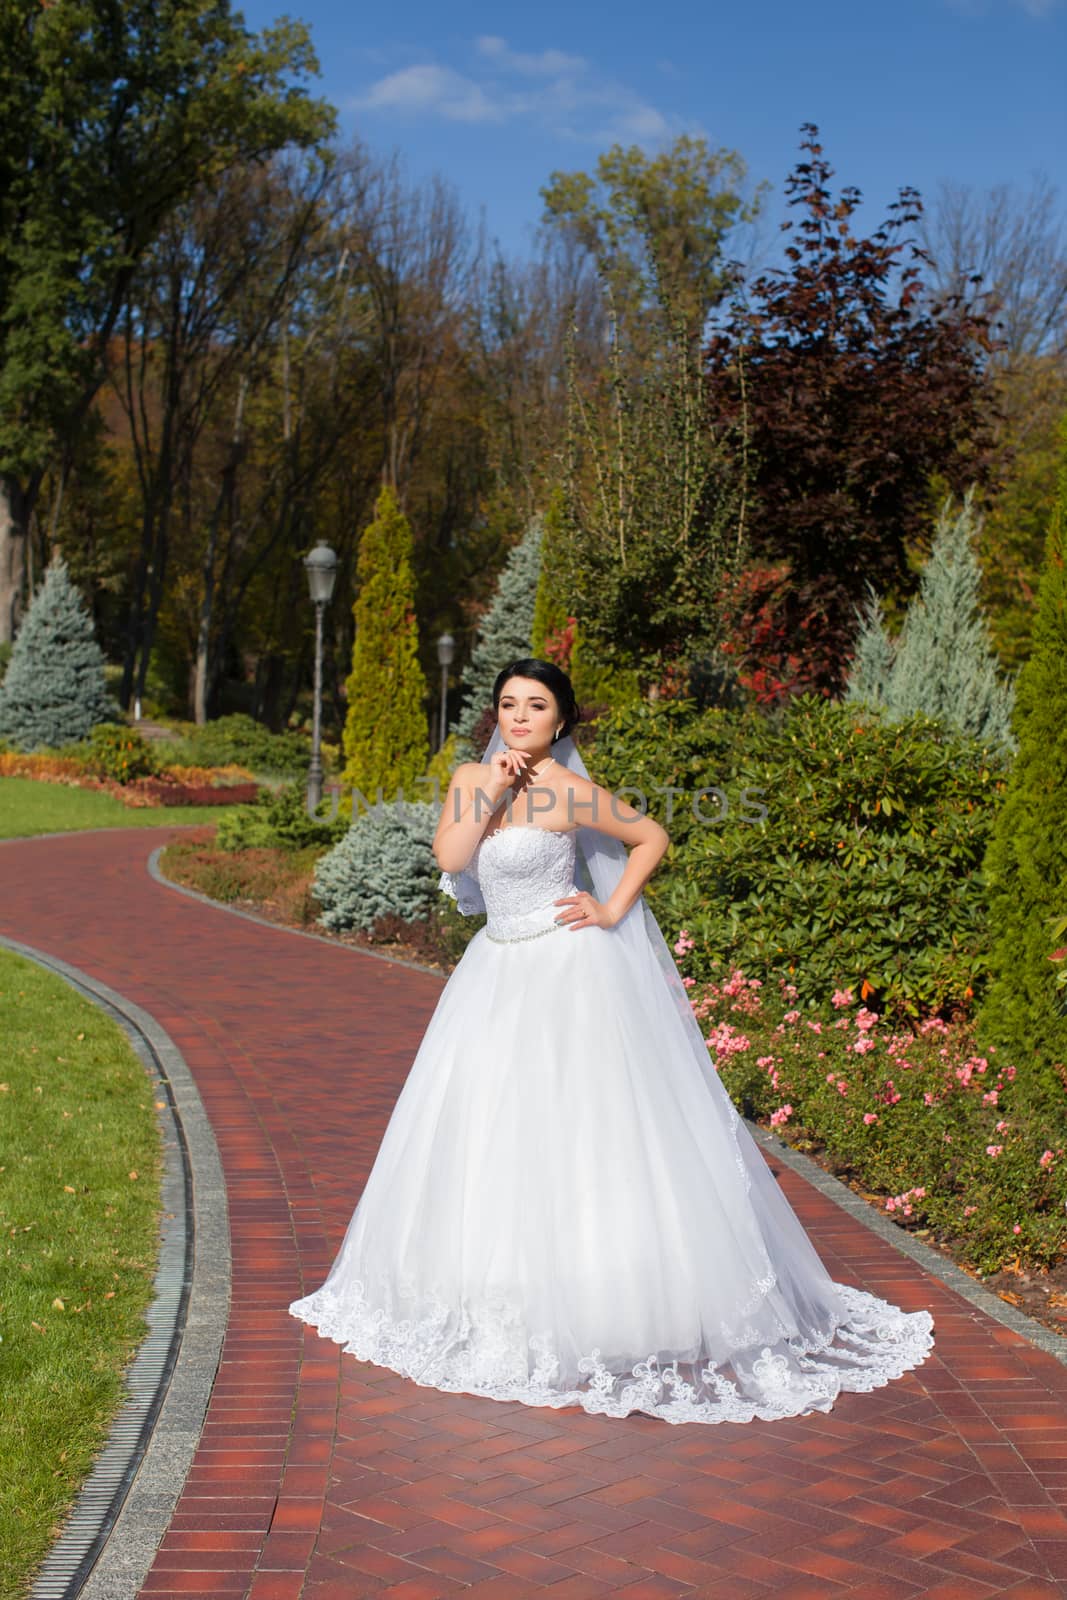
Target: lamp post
[
  {"x": 321, "y": 568},
  {"x": 446, "y": 649}
]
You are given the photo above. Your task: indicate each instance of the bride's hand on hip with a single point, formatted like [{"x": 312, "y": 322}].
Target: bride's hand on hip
[{"x": 583, "y": 912}]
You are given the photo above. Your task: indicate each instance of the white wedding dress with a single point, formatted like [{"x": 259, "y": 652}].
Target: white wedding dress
[{"x": 567, "y": 1210}]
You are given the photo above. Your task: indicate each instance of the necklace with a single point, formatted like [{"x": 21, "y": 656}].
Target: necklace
[{"x": 550, "y": 762}]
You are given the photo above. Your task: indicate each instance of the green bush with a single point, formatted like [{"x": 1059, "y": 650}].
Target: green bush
[
  {"x": 945, "y": 1135},
  {"x": 1026, "y": 866},
  {"x": 115, "y": 751},
  {"x": 383, "y": 866},
  {"x": 241, "y": 741},
  {"x": 278, "y": 820},
  {"x": 866, "y": 868}
]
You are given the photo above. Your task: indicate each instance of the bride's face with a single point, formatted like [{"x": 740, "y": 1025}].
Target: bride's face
[{"x": 527, "y": 714}]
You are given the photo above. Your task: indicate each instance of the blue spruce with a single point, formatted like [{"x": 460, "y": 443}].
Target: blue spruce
[
  {"x": 53, "y": 692},
  {"x": 504, "y": 636}
]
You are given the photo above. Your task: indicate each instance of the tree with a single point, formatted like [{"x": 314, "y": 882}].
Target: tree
[
  {"x": 854, "y": 404},
  {"x": 505, "y": 634},
  {"x": 111, "y": 116},
  {"x": 655, "y": 227},
  {"x": 1026, "y": 862},
  {"x": 385, "y": 736},
  {"x": 53, "y": 692},
  {"x": 942, "y": 664}
]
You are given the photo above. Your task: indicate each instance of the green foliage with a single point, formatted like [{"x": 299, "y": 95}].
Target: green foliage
[
  {"x": 279, "y": 819},
  {"x": 550, "y": 614},
  {"x": 119, "y": 752},
  {"x": 5, "y": 657},
  {"x": 505, "y": 633},
  {"x": 656, "y": 225},
  {"x": 653, "y": 746},
  {"x": 112, "y": 117},
  {"x": 1026, "y": 865},
  {"x": 53, "y": 691},
  {"x": 79, "y": 1197},
  {"x": 946, "y": 1136},
  {"x": 865, "y": 869},
  {"x": 652, "y": 522},
  {"x": 385, "y": 735},
  {"x": 942, "y": 665},
  {"x": 383, "y": 866},
  {"x": 240, "y": 740}
]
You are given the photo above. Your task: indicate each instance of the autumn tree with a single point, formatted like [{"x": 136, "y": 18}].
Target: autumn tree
[
  {"x": 110, "y": 117},
  {"x": 856, "y": 395}
]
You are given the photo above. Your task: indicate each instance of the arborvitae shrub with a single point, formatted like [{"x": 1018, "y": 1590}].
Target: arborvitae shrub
[
  {"x": 1026, "y": 866},
  {"x": 54, "y": 692},
  {"x": 386, "y": 739}
]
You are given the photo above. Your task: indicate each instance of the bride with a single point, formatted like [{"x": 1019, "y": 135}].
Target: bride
[{"x": 566, "y": 1209}]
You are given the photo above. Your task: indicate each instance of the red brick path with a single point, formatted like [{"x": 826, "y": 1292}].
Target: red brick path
[{"x": 328, "y": 1478}]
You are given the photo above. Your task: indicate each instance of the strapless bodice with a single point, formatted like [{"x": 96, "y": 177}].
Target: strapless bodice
[{"x": 521, "y": 871}]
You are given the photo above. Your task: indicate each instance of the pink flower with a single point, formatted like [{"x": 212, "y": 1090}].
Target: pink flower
[
  {"x": 727, "y": 1040},
  {"x": 928, "y": 1099},
  {"x": 831, "y": 1077},
  {"x": 990, "y": 1099},
  {"x": 842, "y": 997},
  {"x": 684, "y": 944},
  {"x": 1016, "y": 1229},
  {"x": 969, "y": 1211},
  {"x": 792, "y": 1016},
  {"x": 993, "y": 1150},
  {"x": 1009, "y": 1073},
  {"x": 1001, "y": 1127},
  {"x": 816, "y": 1027},
  {"x": 783, "y": 1114},
  {"x": 866, "y": 1020},
  {"x": 765, "y": 1061},
  {"x": 869, "y": 1117},
  {"x": 863, "y": 1044},
  {"x": 842, "y": 1086},
  {"x": 689, "y": 982},
  {"x": 1046, "y": 1160}
]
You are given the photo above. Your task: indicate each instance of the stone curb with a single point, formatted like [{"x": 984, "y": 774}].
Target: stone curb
[{"x": 122, "y": 1511}]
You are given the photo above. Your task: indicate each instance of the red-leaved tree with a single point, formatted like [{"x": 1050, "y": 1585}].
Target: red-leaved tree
[{"x": 856, "y": 403}]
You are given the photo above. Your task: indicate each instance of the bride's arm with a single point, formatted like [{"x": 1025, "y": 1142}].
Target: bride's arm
[
  {"x": 467, "y": 808},
  {"x": 589, "y": 805}
]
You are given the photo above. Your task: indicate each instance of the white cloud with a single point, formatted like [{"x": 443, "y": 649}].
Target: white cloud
[
  {"x": 548, "y": 63},
  {"x": 558, "y": 93},
  {"x": 433, "y": 89}
]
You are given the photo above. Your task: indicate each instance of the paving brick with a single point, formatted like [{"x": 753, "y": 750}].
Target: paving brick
[{"x": 325, "y": 1478}]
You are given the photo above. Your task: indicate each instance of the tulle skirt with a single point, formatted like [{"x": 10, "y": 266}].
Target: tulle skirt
[{"x": 566, "y": 1210}]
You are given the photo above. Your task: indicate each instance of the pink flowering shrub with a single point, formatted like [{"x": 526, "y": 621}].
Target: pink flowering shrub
[{"x": 942, "y": 1133}]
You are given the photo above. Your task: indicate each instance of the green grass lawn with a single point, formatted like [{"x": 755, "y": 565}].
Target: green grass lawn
[
  {"x": 28, "y": 806},
  {"x": 79, "y": 1206}
]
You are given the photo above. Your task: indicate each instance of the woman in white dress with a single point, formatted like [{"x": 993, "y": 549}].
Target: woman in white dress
[{"x": 566, "y": 1208}]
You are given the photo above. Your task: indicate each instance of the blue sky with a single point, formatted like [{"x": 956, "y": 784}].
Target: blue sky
[{"x": 903, "y": 91}]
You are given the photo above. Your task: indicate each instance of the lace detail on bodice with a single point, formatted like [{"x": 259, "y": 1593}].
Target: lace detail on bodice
[{"x": 522, "y": 870}]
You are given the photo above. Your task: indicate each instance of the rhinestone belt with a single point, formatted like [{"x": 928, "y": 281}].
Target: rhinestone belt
[{"x": 517, "y": 938}]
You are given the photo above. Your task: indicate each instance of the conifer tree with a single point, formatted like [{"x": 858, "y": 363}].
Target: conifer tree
[
  {"x": 386, "y": 740},
  {"x": 506, "y": 632},
  {"x": 1026, "y": 861},
  {"x": 53, "y": 692},
  {"x": 872, "y": 661},
  {"x": 942, "y": 664}
]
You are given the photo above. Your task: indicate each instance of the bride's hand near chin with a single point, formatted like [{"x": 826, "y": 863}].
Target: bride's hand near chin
[
  {"x": 504, "y": 767},
  {"x": 584, "y": 912}
]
